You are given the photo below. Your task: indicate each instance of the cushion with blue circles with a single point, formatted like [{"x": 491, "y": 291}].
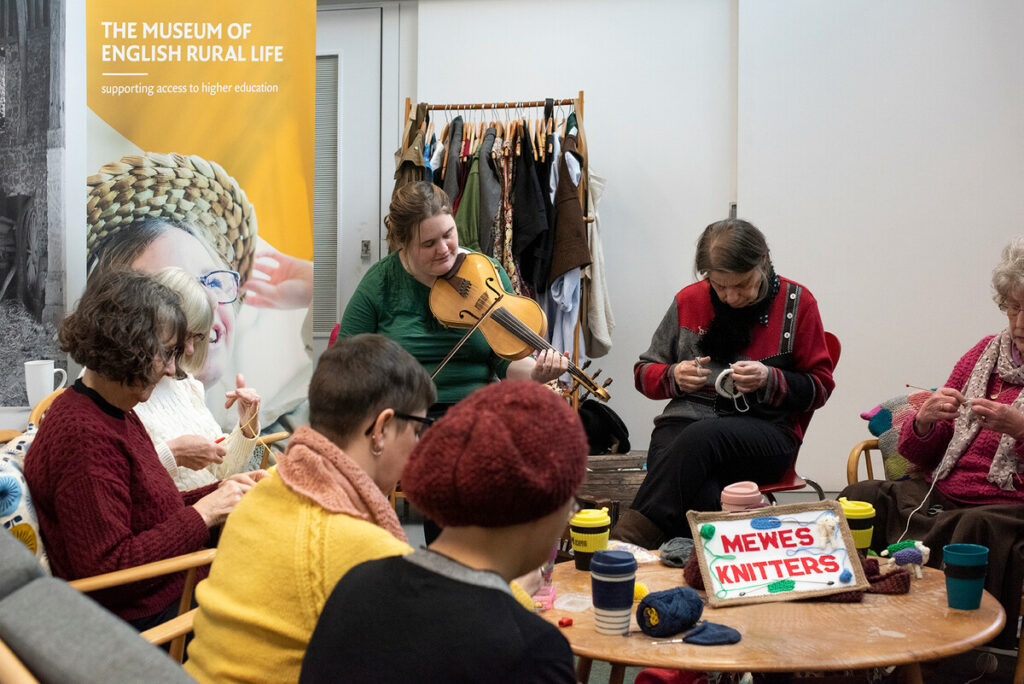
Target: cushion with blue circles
[{"x": 17, "y": 514}]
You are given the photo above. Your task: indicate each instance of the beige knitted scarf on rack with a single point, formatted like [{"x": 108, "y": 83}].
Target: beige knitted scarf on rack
[{"x": 1005, "y": 464}]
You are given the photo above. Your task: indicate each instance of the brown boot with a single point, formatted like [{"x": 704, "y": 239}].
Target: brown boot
[{"x": 635, "y": 528}]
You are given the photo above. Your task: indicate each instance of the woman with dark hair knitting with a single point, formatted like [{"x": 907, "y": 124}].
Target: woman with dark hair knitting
[
  {"x": 324, "y": 510},
  {"x": 742, "y": 359},
  {"x": 104, "y": 500}
]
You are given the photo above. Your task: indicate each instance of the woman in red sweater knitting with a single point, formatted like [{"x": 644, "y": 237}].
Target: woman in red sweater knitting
[
  {"x": 103, "y": 498},
  {"x": 968, "y": 439}
]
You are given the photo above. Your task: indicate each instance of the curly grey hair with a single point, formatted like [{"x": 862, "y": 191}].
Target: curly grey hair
[{"x": 1008, "y": 275}]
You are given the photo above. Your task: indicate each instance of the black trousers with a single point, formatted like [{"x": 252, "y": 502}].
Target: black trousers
[{"x": 690, "y": 462}]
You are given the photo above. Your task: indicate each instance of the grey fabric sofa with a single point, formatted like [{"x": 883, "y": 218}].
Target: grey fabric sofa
[{"x": 61, "y": 635}]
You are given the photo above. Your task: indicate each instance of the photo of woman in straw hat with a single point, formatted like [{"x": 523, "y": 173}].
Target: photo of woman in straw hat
[{"x": 151, "y": 211}]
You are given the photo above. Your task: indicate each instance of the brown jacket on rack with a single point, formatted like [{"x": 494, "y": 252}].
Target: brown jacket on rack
[
  {"x": 570, "y": 246},
  {"x": 409, "y": 164}
]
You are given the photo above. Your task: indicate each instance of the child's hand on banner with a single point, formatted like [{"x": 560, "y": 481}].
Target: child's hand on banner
[{"x": 279, "y": 281}]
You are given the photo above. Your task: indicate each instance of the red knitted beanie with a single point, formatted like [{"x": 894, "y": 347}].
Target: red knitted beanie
[{"x": 509, "y": 453}]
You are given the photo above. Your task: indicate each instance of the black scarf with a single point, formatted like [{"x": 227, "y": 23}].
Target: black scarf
[{"x": 731, "y": 330}]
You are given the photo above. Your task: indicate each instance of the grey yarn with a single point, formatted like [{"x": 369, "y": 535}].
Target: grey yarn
[{"x": 676, "y": 552}]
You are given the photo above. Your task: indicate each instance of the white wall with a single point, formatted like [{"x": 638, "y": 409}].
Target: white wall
[
  {"x": 659, "y": 117},
  {"x": 878, "y": 145},
  {"x": 880, "y": 150}
]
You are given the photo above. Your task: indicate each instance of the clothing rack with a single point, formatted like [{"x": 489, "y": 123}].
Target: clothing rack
[{"x": 577, "y": 103}]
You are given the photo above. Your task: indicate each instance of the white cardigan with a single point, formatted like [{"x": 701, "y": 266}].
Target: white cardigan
[{"x": 178, "y": 407}]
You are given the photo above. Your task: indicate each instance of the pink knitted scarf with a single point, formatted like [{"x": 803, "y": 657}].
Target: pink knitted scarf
[{"x": 315, "y": 467}]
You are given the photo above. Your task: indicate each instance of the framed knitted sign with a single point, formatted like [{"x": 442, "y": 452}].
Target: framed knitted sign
[{"x": 781, "y": 553}]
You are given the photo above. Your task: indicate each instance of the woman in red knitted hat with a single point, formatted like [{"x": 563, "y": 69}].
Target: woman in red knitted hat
[
  {"x": 501, "y": 483},
  {"x": 105, "y": 501}
]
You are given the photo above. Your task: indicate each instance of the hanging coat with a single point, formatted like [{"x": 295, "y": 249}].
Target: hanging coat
[
  {"x": 453, "y": 166},
  {"x": 490, "y": 194},
  {"x": 570, "y": 244},
  {"x": 529, "y": 219}
]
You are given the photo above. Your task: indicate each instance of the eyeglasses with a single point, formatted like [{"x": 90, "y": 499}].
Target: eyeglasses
[
  {"x": 574, "y": 509},
  {"x": 423, "y": 420},
  {"x": 171, "y": 353},
  {"x": 1012, "y": 309},
  {"x": 223, "y": 285}
]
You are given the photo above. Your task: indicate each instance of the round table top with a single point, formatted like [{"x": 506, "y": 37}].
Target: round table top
[{"x": 791, "y": 636}]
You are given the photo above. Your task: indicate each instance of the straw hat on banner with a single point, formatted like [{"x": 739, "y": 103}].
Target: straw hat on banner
[{"x": 186, "y": 189}]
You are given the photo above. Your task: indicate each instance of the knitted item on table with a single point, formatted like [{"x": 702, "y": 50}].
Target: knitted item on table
[
  {"x": 664, "y": 613},
  {"x": 510, "y": 453},
  {"x": 712, "y": 634},
  {"x": 676, "y": 552},
  {"x": 897, "y": 582},
  {"x": 691, "y": 573}
]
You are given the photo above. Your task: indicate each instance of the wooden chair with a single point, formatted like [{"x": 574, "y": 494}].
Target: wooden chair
[
  {"x": 173, "y": 630},
  {"x": 790, "y": 480},
  {"x": 8, "y": 435},
  {"x": 266, "y": 440},
  {"x": 40, "y": 409},
  {"x": 862, "y": 449},
  {"x": 12, "y": 670}
]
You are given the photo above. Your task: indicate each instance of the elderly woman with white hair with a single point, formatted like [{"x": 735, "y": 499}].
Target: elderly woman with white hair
[
  {"x": 968, "y": 439},
  {"x": 187, "y": 437}
]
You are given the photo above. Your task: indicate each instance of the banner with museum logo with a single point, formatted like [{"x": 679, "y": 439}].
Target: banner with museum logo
[{"x": 200, "y": 154}]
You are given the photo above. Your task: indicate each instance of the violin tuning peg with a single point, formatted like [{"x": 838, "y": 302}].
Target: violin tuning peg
[
  {"x": 586, "y": 364},
  {"x": 596, "y": 373},
  {"x": 607, "y": 382}
]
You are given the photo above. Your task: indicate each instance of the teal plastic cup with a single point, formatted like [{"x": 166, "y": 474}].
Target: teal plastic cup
[{"x": 965, "y": 566}]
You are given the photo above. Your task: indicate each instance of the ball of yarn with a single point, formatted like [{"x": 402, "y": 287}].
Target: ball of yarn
[
  {"x": 664, "y": 613},
  {"x": 640, "y": 590}
]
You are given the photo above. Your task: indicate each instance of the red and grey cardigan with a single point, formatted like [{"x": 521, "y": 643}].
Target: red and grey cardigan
[{"x": 791, "y": 344}]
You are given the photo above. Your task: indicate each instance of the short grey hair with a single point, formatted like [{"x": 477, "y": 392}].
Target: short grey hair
[{"x": 1008, "y": 275}]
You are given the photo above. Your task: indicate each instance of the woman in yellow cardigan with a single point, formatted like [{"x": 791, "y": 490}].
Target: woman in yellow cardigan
[{"x": 324, "y": 510}]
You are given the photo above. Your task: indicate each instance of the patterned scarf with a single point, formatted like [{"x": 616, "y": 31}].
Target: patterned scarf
[
  {"x": 997, "y": 355},
  {"x": 730, "y": 331},
  {"x": 315, "y": 467}
]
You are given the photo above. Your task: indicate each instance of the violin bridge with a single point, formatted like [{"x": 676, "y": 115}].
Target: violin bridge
[{"x": 481, "y": 301}]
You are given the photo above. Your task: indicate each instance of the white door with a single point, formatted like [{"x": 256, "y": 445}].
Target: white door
[{"x": 346, "y": 202}]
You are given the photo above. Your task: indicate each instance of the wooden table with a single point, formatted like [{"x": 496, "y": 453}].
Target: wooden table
[{"x": 793, "y": 636}]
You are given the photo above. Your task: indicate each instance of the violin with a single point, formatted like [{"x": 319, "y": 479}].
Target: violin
[{"x": 471, "y": 296}]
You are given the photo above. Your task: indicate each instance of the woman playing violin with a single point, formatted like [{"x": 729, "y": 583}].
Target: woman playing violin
[
  {"x": 392, "y": 300},
  {"x": 741, "y": 355}
]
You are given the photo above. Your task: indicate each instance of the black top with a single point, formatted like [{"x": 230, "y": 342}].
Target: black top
[{"x": 427, "y": 618}]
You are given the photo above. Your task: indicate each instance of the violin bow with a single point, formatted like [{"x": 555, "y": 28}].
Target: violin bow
[{"x": 458, "y": 345}]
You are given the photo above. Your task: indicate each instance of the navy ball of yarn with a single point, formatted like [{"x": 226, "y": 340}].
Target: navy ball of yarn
[{"x": 664, "y": 613}]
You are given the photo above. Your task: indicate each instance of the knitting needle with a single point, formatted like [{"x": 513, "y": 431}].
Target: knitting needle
[
  {"x": 926, "y": 389},
  {"x": 667, "y": 641}
]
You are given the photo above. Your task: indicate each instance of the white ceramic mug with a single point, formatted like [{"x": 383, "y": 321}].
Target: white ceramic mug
[{"x": 39, "y": 380}]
